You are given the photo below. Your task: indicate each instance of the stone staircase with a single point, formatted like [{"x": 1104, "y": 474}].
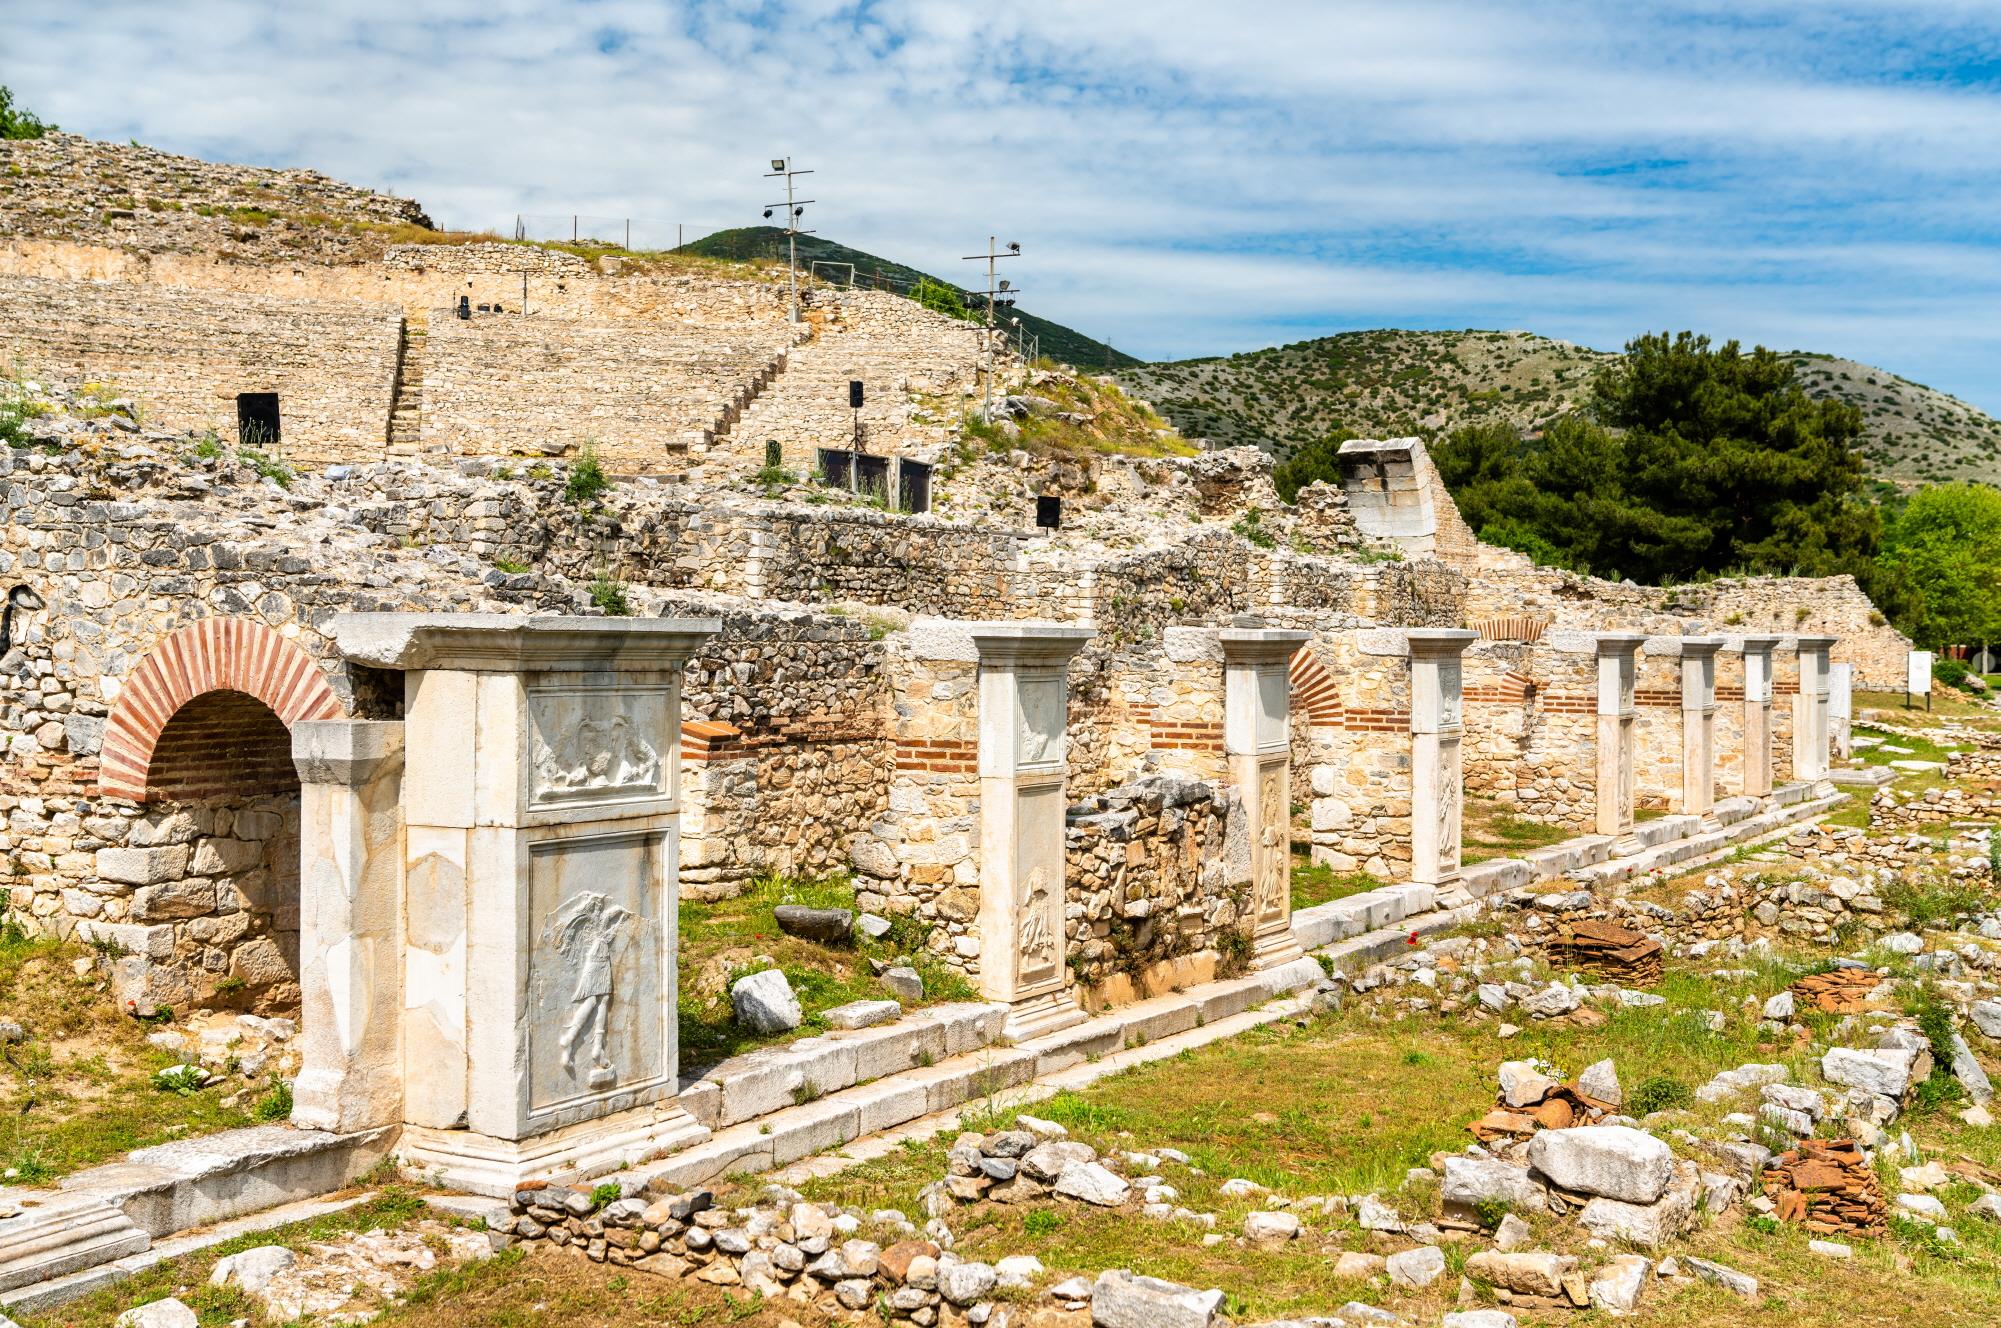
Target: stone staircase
[{"x": 406, "y": 408}]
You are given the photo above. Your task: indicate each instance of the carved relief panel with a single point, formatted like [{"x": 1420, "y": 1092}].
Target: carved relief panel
[
  {"x": 600, "y": 744},
  {"x": 596, "y": 964},
  {"x": 1040, "y": 717},
  {"x": 1271, "y": 899},
  {"x": 1039, "y": 882}
]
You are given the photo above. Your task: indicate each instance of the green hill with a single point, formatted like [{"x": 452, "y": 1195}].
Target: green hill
[
  {"x": 749, "y": 242},
  {"x": 1391, "y": 382}
]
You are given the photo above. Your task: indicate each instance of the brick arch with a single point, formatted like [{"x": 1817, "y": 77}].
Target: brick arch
[
  {"x": 215, "y": 654},
  {"x": 1512, "y": 627},
  {"x": 1315, "y": 692}
]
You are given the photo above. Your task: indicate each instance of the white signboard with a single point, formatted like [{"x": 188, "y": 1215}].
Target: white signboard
[
  {"x": 1841, "y": 690},
  {"x": 1921, "y": 674}
]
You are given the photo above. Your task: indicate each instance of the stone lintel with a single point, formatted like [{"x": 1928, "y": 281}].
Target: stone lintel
[
  {"x": 1617, "y": 643},
  {"x": 1028, "y": 643},
  {"x": 514, "y": 643},
  {"x": 1260, "y": 645},
  {"x": 1438, "y": 641},
  {"x": 345, "y": 752}
]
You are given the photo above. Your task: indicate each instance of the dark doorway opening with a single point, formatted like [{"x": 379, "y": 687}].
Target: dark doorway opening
[
  {"x": 257, "y": 419},
  {"x": 913, "y": 485},
  {"x": 872, "y": 475}
]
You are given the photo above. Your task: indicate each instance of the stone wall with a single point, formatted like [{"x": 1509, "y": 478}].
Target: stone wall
[
  {"x": 1356, "y": 751},
  {"x": 184, "y": 356},
  {"x": 1770, "y": 606},
  {"x": 1150, "y": 886},
  {"x": 1940, "y": 806},
  {"x": 786, "y": 747},
  {"x": 916, "y": 367}
]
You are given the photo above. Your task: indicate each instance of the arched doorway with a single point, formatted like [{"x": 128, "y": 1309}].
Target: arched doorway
[{"x": 200, "y": 736}]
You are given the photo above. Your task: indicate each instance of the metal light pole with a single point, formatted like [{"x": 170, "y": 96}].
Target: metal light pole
[
  {"x": 993, "y": 292},
  {"x": 793, "y": 207}
]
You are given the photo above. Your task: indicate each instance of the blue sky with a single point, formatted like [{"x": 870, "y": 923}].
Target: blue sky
[{"x": 1185, "y": 176}]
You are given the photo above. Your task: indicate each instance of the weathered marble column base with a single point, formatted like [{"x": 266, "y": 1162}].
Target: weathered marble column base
[
  {"x": 482, "y": 1164},
  {"x": 1038, "y": 1016},
  {"x": 1269, "y": 949}
]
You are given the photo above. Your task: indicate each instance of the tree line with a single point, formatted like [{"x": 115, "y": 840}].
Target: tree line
[{"x": 1690, "y": 461}]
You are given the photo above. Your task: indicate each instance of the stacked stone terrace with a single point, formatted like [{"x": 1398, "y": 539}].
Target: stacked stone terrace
[{"x": 897, "y": 349}]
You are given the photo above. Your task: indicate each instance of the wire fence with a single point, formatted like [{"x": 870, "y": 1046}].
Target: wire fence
[{"x": 639, "y": 234}]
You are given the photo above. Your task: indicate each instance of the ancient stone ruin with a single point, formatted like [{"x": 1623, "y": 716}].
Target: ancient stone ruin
[{"x": 382, "y": 724}]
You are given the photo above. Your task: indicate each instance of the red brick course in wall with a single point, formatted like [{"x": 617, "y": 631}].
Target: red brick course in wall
[
  {"x": 942, "y": 756},
  {"x": 1657, "y": 698},
  {"x": 1569, "y": 703},
  {"x": 213, "y": 655},
  {"x": 222, "y": 744},
  {"x": 1189, "y": 736}
]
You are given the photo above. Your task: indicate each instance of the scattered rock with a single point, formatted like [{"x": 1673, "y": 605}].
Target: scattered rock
[
  {"x": 1522, "y": 1084},
  {"x": 1884, "y": 1071},
  {"x": 1728, "y": 1278},
  {"x": 1615, "y": 1161},
  {"x": 1091, "y": 1184},
  {"x": 1126, "y": 1300},
  {"x": 764, "y": 1002},
  {"x": 1416, "y": 1268},
  {"x": 1617, "y": 1287},
  {"x": 1266, "y": 1225},
  {"x": 252, "y": 1269},
  {"x": 904, "y": 983},
  {"x": 1601, "y": 1082},
  {"x": 168, "y": 1313},
  {"x": 827, "y": 926}
]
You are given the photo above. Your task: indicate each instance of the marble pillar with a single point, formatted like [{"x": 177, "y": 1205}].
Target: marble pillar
[
  {"x": 1698, "y": 723},
  {"x": 1841, "y": 710},
  {"x": 1616, "y": 653},
  {"x": 1757, "y": 652},
  {"x": 1024, "y": 707},
  {"x": 350, "y": 924},
  {"x": 541, "y": 835},
  {"x": 1436, "y": 785},
  {"x": 1810, "y": 723},
  {"x": 1257, "y": 740}
]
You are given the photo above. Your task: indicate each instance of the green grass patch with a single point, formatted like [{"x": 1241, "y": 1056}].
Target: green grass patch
[
  {"x": 726, "y": 939},
  {"x": 1317, "y": 883},
  {"x": 81, "y": 1089}
]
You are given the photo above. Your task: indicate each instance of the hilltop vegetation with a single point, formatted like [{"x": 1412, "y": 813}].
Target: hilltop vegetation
[
  {"x": 768, "y": 242},
  {"x": 1390, "y": 383}
]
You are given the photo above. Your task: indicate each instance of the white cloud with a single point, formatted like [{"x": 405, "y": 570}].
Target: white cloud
[{"x": 1185, "y": 177}]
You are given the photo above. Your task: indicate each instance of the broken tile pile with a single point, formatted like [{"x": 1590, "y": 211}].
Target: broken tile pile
[
  {"x": 1609, "y": 950},
  {"x": 1838, "y": 991},
  {"x": 1828, "y": 1187}
]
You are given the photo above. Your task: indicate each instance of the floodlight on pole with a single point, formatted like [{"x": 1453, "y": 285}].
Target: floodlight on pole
[
  {"x": 794, "y": 209},
  {"x": 993, "y": 292}
]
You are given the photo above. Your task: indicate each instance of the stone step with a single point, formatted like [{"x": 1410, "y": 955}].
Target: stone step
[
  {"x": 791, "y": 1132},
  {"x": 45, "y": 1295},
  {"x": 53, "y": 1233},
  {"x": 1338, "y": 919},
  {"x": 193, "y": 1182}
]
